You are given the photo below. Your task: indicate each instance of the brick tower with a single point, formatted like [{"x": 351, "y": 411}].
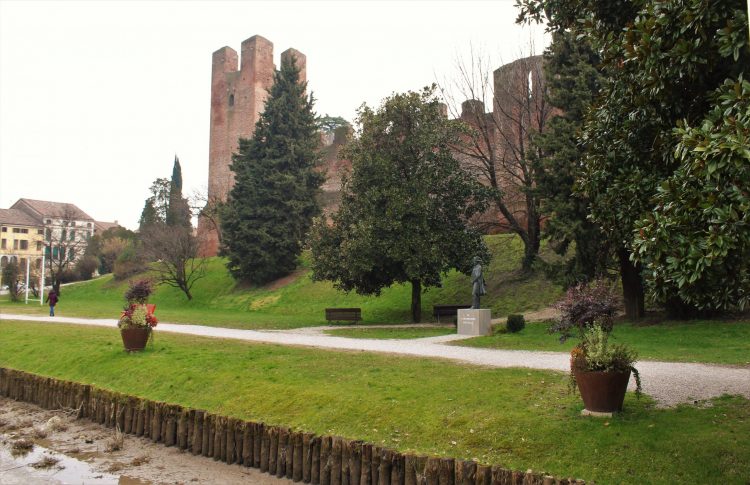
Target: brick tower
[{"x": 238, "y": 98}]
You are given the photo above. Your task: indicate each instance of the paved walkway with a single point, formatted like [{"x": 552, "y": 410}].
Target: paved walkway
[{"x": 669, "y": 383}]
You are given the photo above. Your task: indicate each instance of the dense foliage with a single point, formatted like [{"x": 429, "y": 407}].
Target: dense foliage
[
  {"x": 662, "y": 63},
  {"x": 584, "y": 306},
  {"x": 572, "y": 83},
  {"x": 695, "y": 245},
  {"x": 405, "y": 211},
  {"x": 271, "y": 206}
]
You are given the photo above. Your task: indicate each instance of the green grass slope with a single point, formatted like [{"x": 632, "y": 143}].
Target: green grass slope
[{"x": 220, "y": 301}]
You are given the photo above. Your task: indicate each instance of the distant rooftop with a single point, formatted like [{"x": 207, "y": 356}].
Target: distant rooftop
[
  {"x": 44, "y": 208},
  {"x": 17, "y": 217}
]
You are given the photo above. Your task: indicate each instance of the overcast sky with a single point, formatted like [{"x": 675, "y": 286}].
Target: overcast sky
[{"x": 97, "y": 97}]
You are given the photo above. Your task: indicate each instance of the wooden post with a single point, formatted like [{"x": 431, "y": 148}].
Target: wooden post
[
  {"x": 155, "y": 433},
  {"x": 432, "y": 471},
  {"x": 346, "y": 450},
  {"x": 258, "y": 431},
  {"x": 325, "y": 460},
  {"x": 220, "y": 439},
  {"x": 384, "y": 473},
  {"x": 447, "y": 471},
  {"x": 140, "y": 417},
  {"x": 239, "y": 430},
  {"x": 228, "y": 454},
  {"x": 315, "y": 467},
  {"x": 298, "y": 458},
  {"x": 247, "y": 444},
  {"x": 365, "y": 476},
  {"x": 500, "y": 476},
  {"x": 273, "y": 450},
  {"x": 281, "y": 456},
  {"x": 265, "y": 449},
  {"x": 375, "y": 466},
  {"x": 206, "y": 440},
  {"x": 210, "y": 423},
  {"x": 127, "y": 419},
  {"x": 398, "y": 476},
  {"x": 466, "y": 472},
  {"x": 483, "y": 475},
  {"x": 335, "y": 460},
  {"x": 307, "y": 452},
  {"x": 197, "y": 445},
  {"x": 355, "y": 462},
  {"x": 170, "y": 430}
]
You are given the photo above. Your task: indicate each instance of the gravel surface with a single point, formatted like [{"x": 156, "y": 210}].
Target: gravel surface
[{"x": 669, "y": 383}]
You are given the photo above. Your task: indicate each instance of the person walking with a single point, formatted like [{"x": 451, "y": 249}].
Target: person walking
[{"x": 52, "y": 299}]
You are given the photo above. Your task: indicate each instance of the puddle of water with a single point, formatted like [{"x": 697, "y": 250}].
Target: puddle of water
[{"x": 68, "y": 471}]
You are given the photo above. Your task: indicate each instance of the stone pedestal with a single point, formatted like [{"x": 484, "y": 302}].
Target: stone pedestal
[{"x": 474, "y": 322}]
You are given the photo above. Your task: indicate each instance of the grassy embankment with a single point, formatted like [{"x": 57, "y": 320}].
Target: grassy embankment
[
  {"x": 220, "y": 301},
  {"x": 515, "y": 417}
]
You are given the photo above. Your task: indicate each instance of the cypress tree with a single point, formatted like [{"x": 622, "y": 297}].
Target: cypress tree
[
  {"x": 178, "y": 212},
  {"x": 270, "y": 208}
]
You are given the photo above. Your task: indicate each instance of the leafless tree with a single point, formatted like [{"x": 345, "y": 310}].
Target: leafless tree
[
  {"x": 174, "y": 250},
  {"x": 65, "y": 243},
  {"x": 499, "y": 149},
  {"x": 207, "y": 209}
]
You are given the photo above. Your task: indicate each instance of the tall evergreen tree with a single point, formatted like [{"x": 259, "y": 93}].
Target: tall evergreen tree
[
  {"x": 573, "y": 81},
  {"x": 270, "y": 208},
  {"x": 178, "y": 212}
]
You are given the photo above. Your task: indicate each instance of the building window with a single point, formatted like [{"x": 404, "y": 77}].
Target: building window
[
  {"x": 15, "y": 244},
  {"x": 231, "y": 100},
  {"x": 88, "y": 225},
  {"x": 4, "y": 244},
  {"x": 40, "y": 231},
  {"x": 39, "y": 245},
  {"x": 71, "y": 254},
  {"x": 72, "y": 235},
  {"x": 55, "y": 252},
  {"x": 38, "y": 263},
  {"x": 24, "y": 245},
  {"x": 46, "y": 251},
  {"x": 64, "y": 234},
  {"x": 23, "y": 263},
  {"x": 72, "y": 224},
  {"x": 49, "y": 221},
  {"x": 5, "y": 229},
  {"x": 3, "y": 260},
  {"x": 49, "y": 234},
  {"x": 18, "y": 230}
]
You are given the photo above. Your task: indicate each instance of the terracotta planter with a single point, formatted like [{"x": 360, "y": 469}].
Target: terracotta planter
[
  {"x": 602, "y": 392},
  {"x": 134, "y": 339}
]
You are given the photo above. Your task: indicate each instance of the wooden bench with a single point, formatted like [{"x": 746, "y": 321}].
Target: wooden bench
[
  {"x": 343, "y": 314},
  {"x": 447, "y": 311}
]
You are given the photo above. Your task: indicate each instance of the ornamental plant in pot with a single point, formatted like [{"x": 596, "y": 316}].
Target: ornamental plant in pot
[
  {"x": 137, "y": 319},
  {"x": 599, "y": 369}
]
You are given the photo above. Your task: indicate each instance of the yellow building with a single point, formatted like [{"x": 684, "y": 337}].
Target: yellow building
[{"x": 21, "y": 240}]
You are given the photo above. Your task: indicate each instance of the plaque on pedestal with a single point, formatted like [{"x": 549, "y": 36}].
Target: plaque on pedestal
[{"x": 474, "y": 322}]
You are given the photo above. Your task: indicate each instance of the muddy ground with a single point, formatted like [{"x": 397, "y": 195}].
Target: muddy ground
[{"x": 41, "y": 447}]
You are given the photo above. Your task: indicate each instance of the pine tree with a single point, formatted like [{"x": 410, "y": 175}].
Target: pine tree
[
  {"x": 572, "y": 84},
  {"x": 270, "y": 208}
]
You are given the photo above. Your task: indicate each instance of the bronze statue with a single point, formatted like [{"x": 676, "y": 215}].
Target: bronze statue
[{"x": 477, "y": 283}]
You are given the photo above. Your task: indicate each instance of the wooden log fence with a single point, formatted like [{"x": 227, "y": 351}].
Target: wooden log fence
[{"x": 276, "y": 450}]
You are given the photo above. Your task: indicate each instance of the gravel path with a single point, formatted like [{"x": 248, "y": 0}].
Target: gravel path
[{"x": 669, "y": 383}]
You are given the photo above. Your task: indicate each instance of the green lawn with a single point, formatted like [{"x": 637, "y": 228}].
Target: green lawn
[
  {"x": 391, "y": 333},
  {"x": 717, "y": 341},
  {"x": 219, "y": 301},
  {"x": 518, "y": 418}
]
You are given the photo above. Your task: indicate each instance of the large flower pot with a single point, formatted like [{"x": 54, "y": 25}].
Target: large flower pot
[
  {"x": 602, "y": 392},
  {"x": 134, "y": 338}
]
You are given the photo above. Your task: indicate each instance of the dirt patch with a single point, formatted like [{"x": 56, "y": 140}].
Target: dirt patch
[
  {"x": 137, "y": 461},
  {"x": 286, "y": 280}
]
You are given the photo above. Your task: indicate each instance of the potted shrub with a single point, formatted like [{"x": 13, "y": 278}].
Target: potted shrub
[
  {"x": 137, "y": 319},
  {"x": 600, "y": 370}
]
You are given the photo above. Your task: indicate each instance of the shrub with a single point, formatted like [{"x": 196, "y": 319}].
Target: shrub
[
  {"x": 584, "y": 306},
  {"x": 515, "y": 323},
  {"x": 139, "y": 291},
  {"x": 86, "y": 267},
  {"x": 128, "y": 263},
  {"x": 10, "y": 278}
]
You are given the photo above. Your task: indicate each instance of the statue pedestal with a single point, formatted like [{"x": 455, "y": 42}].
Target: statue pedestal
[{"x": 474, "y": 322}]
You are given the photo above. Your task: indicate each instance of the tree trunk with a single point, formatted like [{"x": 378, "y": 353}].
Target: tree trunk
[
  {"x": 632, "y": 286},
  {"x": 416, "y": 301},
  {"x": 530, "y": 249}
]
